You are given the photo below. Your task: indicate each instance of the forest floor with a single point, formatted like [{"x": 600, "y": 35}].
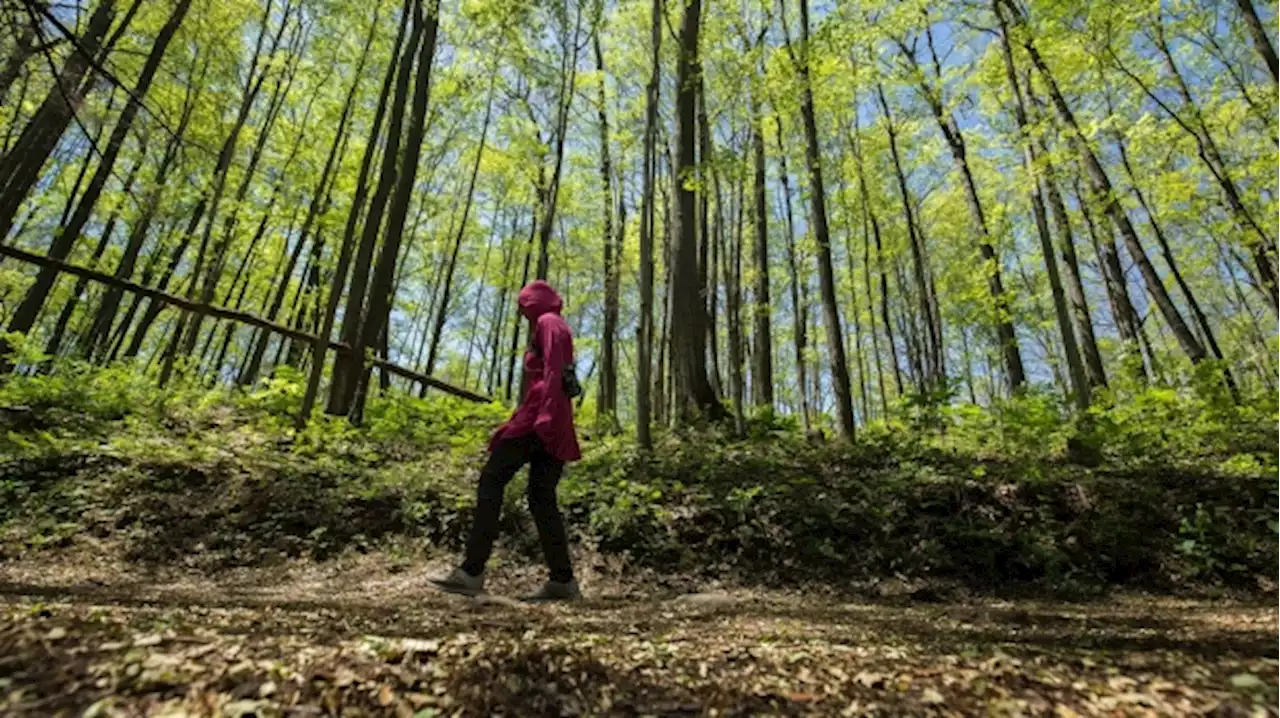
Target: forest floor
[{"x": 82, "y": 634}]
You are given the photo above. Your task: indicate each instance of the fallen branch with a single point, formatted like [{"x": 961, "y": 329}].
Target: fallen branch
[{"x": 230, "y": 315}]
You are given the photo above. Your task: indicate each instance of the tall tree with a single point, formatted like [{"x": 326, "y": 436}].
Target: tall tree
[
  {"x": 644, "y": 352},
  {"x": 694, "y": 395},
  {"x": 818, "y": 220},
  {"x": 607, "y": 402},
  {"x": 377, "y": 315}
]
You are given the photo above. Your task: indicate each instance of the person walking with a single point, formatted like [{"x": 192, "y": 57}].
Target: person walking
[{"x": 541, "y": 434}]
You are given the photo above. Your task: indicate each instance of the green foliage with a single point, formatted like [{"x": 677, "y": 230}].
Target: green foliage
[{"x": 990, "y": 498}]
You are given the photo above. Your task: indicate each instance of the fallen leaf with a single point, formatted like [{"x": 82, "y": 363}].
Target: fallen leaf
[{"x": 385, "y": 695}]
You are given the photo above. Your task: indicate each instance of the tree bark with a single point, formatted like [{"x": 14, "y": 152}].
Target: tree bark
[
  {"x": 799, "y": 308},
  {"x": 20, "y": 168},
  {"x": 607, "y": 401},
  {"x": 442, "y": 311},
  {"x": 644, "y": 352},
  {"x": 347, "y": 368},
  {"x": 1103, "y": 192},
  {"x": 762, "y": 306},
  {"x": 826, "y": 278},
  {"x": 1079, "y": 382},
  {"x": 347, "y": 248},
  {"x": 381, "y": 297},
  {"x": 1261, "y": 41}
]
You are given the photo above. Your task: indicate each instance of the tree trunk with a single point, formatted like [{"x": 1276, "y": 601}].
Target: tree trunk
[
  {"x": 1079, "y": 382},
  {"x": 1262, "y": 246},
  {"x": 380, "y": 299},
  {"x": 60, "y": 249},
  {"x": 564, "y": 102},
  {"x": 694, "y": 396},
  {"x": 1122, "y": 310},
  {"x": 339, "y": 280},
  {"x": 20, "y": 168},
  {"x": 799, "y": 310},
  {"x": 707, "y": 249},
  {"x": 347, "y": 366},
  {"x": 733, "y": 311},
  {"x": 954, "y": 136},
  {"x": 607, "y": 401},
  {"x": 495, "y": 220},
  {"x": 24, "y": 46},
  {"x": 442, "y": 311},
  {"x": 826, "y": 278},
  {"x": 1081, "y": 318},
  {"x": 106, "y": 315},
  {"x": 934, "y": 367},
  {"x": 762, "y": 306},
  {"x": 1261, "y": 41},
  {"x": 644, "y": 353},
  {"x": 188, "y": 325},
  {"x": 1103, "y": 192},
  {"x": 54, "y": 345}
]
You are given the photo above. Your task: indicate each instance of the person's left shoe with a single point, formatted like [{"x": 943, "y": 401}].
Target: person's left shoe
[
  {"x": 459, "y": 582},
  {"x": 555, "y": 591}
]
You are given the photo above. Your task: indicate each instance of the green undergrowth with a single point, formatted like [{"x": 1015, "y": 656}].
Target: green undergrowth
[{"x": 1165, "y": 489}]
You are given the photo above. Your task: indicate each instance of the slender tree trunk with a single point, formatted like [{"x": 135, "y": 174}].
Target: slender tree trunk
[
  {"x": 1262, "y": 244},
  {"x": 1081, "y": 318},
  {"x": 1122, "y": 310},
  {"x": 706, "y": 245},
  {"x": 107, "y": 310},
  {"x": 24, "y": 316},
  {"x": 564, "y": 102},
  {"x": 154, "y": 308},
  {"x": 826, "y": 274},
  {"x": 934, "y": 369},
  {"x": 189, "y": 325},
  {"x": 339, "y": 280},
  {"x": 955, "y": 139},
  {"x": 607, "y": 401},
  {"x": 347, "y": 367},
  {"x": 644, "y": 353},
  {"x": 733, "y": 312},
  {"x": 1197, "y": 312},
  {"x": 442, "y": 311},
  {"x": 874, "y": 221},
  {"x": 1104, "y": 193},
  {"x": 496, "y": 220},
  {"x": 1079, "y": 382},
  {"x": 1261, "y": 41},
  {"x": 20, "y": 168},
  {"x": 24, "y": 47},
  {"x": 799, "y": 308},
  {"x": 54, "y": 345},
  {"x": 381, "y": 297},
  {"x": 762, "y": 306}
]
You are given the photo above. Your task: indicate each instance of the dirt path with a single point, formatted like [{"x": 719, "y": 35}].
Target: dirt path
[{"x": 370, "y": 639}]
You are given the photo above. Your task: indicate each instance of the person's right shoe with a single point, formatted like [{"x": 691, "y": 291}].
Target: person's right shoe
[
  {"x": 459, "y": 582},
  {"x": 555, "y": 591}
]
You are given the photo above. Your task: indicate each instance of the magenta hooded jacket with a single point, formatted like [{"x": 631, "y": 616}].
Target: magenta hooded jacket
[{"x": 544, "y": 409}]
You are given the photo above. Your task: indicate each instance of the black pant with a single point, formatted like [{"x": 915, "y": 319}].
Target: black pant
[{"x": 544, "y": 474}]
